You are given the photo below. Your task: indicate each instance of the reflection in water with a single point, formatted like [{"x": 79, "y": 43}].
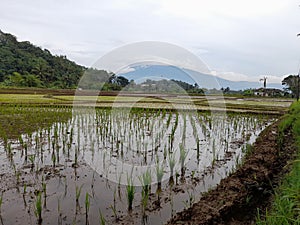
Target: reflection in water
[{"x": 184, "y": 154}]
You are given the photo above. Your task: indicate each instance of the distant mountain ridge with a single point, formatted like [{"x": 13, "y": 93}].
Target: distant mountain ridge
[
  {"x": 141, "y": 73},
  {"x": 26, "y": 65}
]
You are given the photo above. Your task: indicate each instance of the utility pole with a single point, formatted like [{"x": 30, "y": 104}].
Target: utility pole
[
  {"x": 298, "y": 79},
  {"x": 298, "y": 83}
]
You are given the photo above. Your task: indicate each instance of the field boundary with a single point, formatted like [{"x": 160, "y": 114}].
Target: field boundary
[{"x": 236, "y": 199}]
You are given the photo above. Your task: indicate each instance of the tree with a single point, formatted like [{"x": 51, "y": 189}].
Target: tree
[
  {"x": 122, "y": 81},
  {"x": 25, "y": 58},
  {"x": 225, "y": 90},
  {"x": 32, "y": 81},
  {"x": 292, "y": 85},
  {"x": 16, "y": 79},
  {"x": 41, "y": 69},
  {"x": 248, "y": 92}
]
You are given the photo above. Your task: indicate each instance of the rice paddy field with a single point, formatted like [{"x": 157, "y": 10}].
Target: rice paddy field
[{"x": 123, "y": 159}]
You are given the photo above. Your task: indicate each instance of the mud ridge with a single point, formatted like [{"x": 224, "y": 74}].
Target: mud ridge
[{"x": 236, "y": 199}]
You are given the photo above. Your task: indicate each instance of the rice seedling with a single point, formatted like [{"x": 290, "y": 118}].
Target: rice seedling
[
  {"x": 58, "y": 207},
  {"x": 118, "y": 135},
  {"x": 177, "y": 175},
  {"x": 1, "y": 201},
  {"x": 44, "y": 186},
  {"x": 130, "y": 193},
  {"x": 172, "y": 162},
  {"x": 114, "y": 210},
  {"x": 87, "y": 205},
  {"x": 9, "y": 151},
  {"x": 78, "y": 192},
  {"x": 59, "y": 220},
  {"x": 38, "y": 207},
  {"x": 191, "y": 199},
  {"x": 24, "y": 189},
  {"x": 159, "y": 173},
  {"x": 145, "y": 180},
  {"x": 32, "y": 159},
  {"x": 183, "y": 155},
  {"x": 198, "y": 147},
  {"x": 18, "y": 174},
  {"x": 193, "y": 174},
  {"x": 101, "y": 218},
  {"x": 53, "y": 158}
]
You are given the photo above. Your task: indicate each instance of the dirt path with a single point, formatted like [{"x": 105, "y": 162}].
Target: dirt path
[{"x": 237, "y": 197}]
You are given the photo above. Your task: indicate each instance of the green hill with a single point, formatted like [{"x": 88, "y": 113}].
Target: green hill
[{"x": 25, "y": 65}]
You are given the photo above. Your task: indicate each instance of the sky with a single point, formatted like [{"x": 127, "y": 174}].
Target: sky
[{"x": 237, "y": 40}]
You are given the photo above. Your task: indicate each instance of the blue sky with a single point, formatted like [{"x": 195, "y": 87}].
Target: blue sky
[{"x": 238, "y": 40}]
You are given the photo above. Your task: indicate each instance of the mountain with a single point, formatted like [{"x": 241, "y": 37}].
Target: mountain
[
  {"x": 140, "y": 73},
  {"x": 23, "y": 64},
  {"x": 26, "y": 65}
]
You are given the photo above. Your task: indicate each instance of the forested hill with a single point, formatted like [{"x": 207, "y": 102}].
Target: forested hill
[{"x": 23, "y": 64}]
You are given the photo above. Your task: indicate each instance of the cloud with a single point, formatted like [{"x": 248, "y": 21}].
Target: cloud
[
  {"x": 126, "y": 70},
  {"x": 198, "y": 10},
  {"x": 247, "y": 37},
  {"x": 233, "y": 76}
]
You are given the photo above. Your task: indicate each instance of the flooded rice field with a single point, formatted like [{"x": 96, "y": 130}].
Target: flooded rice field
[{"x": 60, "y": 165}]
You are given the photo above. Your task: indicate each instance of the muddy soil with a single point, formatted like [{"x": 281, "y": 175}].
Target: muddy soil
[{"x": 236, "y": 199}]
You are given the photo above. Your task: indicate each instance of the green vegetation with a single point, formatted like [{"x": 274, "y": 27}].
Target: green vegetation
[
  {"x": 87, "y": 204},
  {"x": 159, "y": 173},
  {"x": 78, "y": 192},
  {"x": 172, "y": 162},
  {"x": 286, "y": 205},
  {"x": 130, "y": 193},
  {"x": 165, "y": 86},
  {"x": 42, "y": 136},
  {"x": 38, "y": 207},
  {"x": 145, "y": 180},
  {"x": 183, "y": 155},
  {"x": 291, "y": 84},
  {"x": 26, "y": 65},
  {"x": 102, "y": 218},
  {"x": 16, "y": 120},
  {"x": 1, "y": 201}
]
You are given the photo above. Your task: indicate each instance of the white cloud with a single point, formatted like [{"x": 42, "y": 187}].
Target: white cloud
[
  {"x": 233, "y": 76},
  {"x": 198, "y": 10},
  {"x": 248, "y": 37},
  {"x": 126, "y": 70}
]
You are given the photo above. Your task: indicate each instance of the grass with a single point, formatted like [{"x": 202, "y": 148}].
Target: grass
[{"x": 286, "y": 206}]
